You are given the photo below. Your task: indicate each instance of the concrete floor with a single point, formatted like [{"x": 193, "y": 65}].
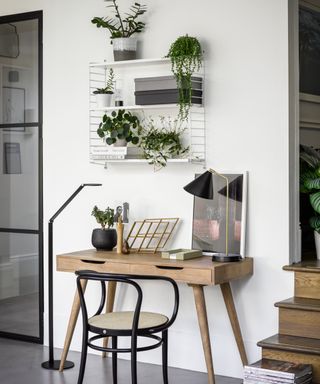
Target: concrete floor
[{"x": 20, "y": 363}]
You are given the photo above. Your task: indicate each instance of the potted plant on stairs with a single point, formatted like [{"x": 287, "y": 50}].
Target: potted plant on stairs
[
  {"x": 310, "y": 184},
  {"x": 123, "y": 29},
  {"x": 105, "y": 237}
]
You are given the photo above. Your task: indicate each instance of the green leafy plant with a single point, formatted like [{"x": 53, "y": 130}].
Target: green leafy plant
[
  {"x": 310, "y": 181},
  {"x": 162, "y": 143},
  {"x": 186, "y": 58},
  {"x": 120, "y": 125},
  {"x": 109, "y": 88},
  {"x": 104, "y": 218},
  {"x": 119, "y": 26}
]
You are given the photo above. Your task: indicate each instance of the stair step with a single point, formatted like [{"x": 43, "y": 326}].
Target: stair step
[
  {"x": 306, "y": 279},
  {"x": 312, "y": 266},
  {"x": 295, "y": 349},
  {"x": 301, "y": 303}
]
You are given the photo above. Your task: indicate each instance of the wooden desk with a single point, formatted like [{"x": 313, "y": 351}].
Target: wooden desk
[{"x": 196, "y": 273}]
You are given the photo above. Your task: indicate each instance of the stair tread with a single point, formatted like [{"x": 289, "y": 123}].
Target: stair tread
[
  {"x": 312, "y": 266},
  {"x": 292, "y": 343},
  {"x": 301, "y": 303}
]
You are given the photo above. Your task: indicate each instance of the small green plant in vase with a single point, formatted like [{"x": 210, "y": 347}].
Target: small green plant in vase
[
  {"x": 105, "y": 237},
  {"x": 104, "y": 95},
  {"x": 186, "y": 58},
  {"x": 122, "y": 29},
  {"x": 120, "y": 128},
  {"x": 163, "y": 141}
]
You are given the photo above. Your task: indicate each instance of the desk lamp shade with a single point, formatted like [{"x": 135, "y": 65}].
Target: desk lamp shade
[{"x": 201, "y": 186}]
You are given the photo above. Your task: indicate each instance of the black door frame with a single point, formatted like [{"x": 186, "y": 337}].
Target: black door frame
[{"x": 36, "y": 15}]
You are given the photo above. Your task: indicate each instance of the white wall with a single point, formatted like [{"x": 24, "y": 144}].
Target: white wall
[{"x": 246, "y": 47}]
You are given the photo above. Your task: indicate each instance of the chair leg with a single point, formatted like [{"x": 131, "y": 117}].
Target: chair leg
[
  {"x": 115, "y": 360},
  {"x": 84, "y": 351},
  {"x": 134, "y": 360},
  {"x": 165, "y": 356}
]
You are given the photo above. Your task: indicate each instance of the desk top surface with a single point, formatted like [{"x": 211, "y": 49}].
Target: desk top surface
[{"x": 220, "y": 271}]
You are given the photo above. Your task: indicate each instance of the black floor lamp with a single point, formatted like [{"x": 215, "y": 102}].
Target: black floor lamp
[{"x": 51, "y": 363}]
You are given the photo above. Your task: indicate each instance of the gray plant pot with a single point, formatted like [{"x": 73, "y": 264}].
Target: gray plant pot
[
  {"x": 105, "y": 239},
  {"x": 124, "y": 48}
]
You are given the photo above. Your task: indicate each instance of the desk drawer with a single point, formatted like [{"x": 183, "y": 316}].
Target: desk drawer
[
  {"x": 68, "y": 264},
  {"x": 187, "y": 275}
]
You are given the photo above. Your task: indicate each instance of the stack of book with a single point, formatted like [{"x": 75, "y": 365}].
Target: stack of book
[
  {"x": 273, "y": 371},
  {"x": 108, "y": 153}
]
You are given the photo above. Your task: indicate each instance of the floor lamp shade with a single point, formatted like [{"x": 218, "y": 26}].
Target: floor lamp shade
[{"x": 201, "y": 186}]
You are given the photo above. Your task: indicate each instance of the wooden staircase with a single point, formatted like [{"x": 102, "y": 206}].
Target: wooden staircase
[{"x": 298, "y": 339}]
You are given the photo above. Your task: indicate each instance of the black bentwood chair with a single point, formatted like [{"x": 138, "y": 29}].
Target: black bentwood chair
[{"x": 134, "y": 324}]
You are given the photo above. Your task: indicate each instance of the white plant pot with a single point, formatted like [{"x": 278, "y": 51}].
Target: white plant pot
[
  {"x": 317, "y": 241},
  {"x": 103, "y": 100},
  {"x": 120, "y": 143},
  {"x": 124, "y": 48}
]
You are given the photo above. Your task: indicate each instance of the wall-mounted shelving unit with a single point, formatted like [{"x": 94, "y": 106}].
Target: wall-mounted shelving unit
[{"x": 126, "y": 71}]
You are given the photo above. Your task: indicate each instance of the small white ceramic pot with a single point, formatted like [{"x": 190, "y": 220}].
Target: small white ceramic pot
[
  {"x": 103, "y": 100},
  {"x": 317, "y": 241}
]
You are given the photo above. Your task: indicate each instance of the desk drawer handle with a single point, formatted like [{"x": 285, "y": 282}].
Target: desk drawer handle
[
  {"x": 93, "y": 261},
  {"x": 170, "y": 268}
]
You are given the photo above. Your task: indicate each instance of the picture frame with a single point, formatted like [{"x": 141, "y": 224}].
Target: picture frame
[
  {"x": 13, "y": 107},
  {"x": 209, "y": 225},
  {"x": 12, "y": 158}
]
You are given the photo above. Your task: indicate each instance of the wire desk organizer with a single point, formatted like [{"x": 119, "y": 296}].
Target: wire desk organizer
[{"x": 150, "y": 235}]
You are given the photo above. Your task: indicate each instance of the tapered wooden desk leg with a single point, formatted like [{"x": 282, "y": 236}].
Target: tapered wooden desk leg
[
  {"x": 228, "y": 299},
  {"x": 204, "y": 329},
  {"x": 112, "y": 286},
  {"x": 71, "y": 325}
]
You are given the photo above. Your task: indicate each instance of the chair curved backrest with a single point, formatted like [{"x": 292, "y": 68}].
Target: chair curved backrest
[{"x": 127, "y": 279}]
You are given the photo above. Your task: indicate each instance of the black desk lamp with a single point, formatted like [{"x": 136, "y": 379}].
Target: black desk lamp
[
  {"x": 51, "y": 363},
  {"x": 202, "y": 186}
]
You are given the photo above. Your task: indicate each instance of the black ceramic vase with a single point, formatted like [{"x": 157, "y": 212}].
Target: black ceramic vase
[{"x": 105, "y": 239}]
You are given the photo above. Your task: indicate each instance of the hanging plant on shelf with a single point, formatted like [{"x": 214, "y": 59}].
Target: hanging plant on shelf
[
  {"x": 186, "y": 58},
  {"x": 160, "y": 143},
  {"x": 120, "y": 128}
]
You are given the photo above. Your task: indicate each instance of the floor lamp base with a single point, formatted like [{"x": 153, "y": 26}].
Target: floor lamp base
[{"x": 55, "y": 365}]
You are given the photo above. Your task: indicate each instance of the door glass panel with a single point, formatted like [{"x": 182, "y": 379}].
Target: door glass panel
[
  {"x": 19, "y": 72},
  {"x": 19, "y": 284},
  {"x": 19, "y": 178}
]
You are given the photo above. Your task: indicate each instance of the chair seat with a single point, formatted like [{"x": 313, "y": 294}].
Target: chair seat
[{"x": 123, "y": 320}]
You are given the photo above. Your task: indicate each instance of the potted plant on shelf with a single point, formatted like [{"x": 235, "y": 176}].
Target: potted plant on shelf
[
  {"x": 186, "y": 58},
  {"x": 123, "y": 29},
  {"x": 310, "y": 184},
  {"x": 163, "y": 142},
  {"x": 104, "y": 95},
  {"x": 120, "y": 128},
  {"x": 105, "y": 237}
]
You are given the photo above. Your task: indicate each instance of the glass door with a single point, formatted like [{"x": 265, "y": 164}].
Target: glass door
[{"x": 21, "y": 227}]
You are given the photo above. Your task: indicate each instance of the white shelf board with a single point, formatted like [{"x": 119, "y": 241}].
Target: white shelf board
[
  {"x": 127, "y": 63},
  {"x": 132, "y": 161},
  {"x": 141, "y": 107}
]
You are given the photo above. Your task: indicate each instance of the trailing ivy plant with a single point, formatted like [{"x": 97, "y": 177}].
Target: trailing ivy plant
[
  {"x": 186, "y": 58},
  {"x": 120, "y": 125},
  {"x": 104, "y": 218},
  {"x": 160, "y": 143},
  {"x": 109, "y": 88},
  {"x": 310, "y": 181},
  {"x": 119, "y": 26}
]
